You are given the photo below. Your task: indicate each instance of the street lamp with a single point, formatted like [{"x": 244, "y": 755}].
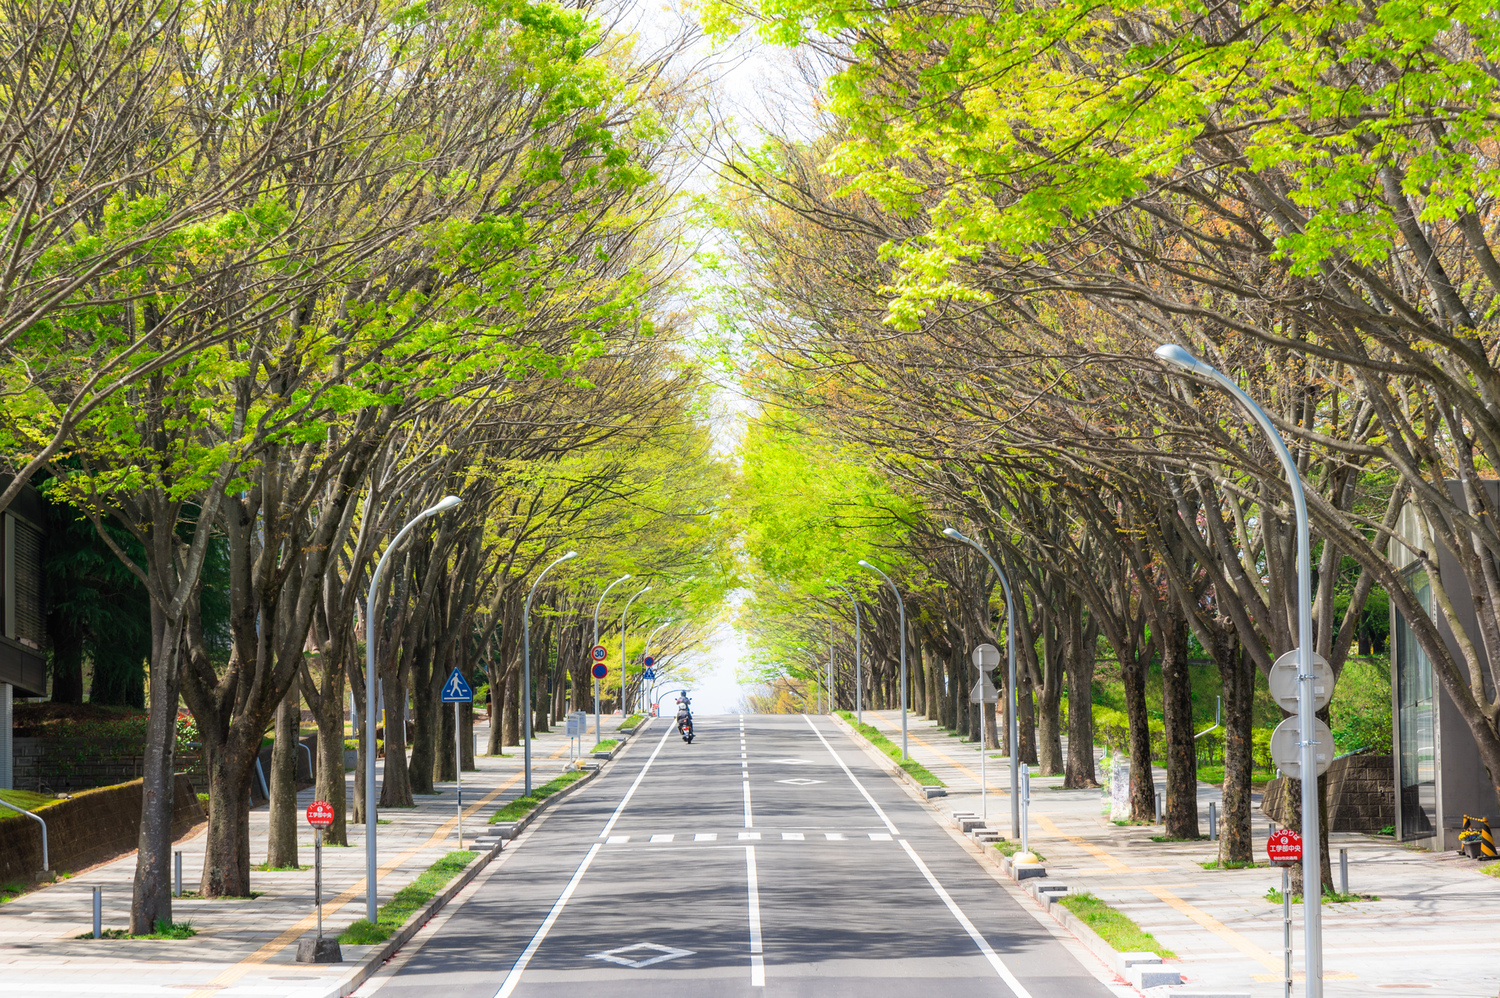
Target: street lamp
[
  {"x": 902, "y": 604},
  {"x": 623, "y": 612},
  {"x": 646, "y": 653},
  {"x": 596, "y": 645},
  {"x": 1312, "y": 866},
  {"x": 371, "y": 712},
  {"x": 859, "y": 696},
  {"x": 526, "y": 658},
  {"x": 1014, "y": 699}
]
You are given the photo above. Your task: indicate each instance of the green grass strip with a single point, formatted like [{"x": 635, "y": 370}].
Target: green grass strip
[
  {"x": 394, "y": 913},
  {"x": 606, "y": 745},
  {"x": 632, "y": 721},
  {"x": 163, "y": 930},
  {"x": 24, "y": 799},
  {"x": 1115, "y": 928},
  {"x": 521, "y": 806},
  {"x": 891, "y": 749},
  {"x": 1008, "y": 847}
]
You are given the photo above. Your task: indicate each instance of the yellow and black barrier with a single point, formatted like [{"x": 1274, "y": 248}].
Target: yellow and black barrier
[{"x": 1476, "y": 840}]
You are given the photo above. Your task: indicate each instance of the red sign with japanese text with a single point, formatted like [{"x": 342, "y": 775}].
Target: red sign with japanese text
[
  {"x": 320, "y": 814},
  {"x": 1284, "y": 847}
]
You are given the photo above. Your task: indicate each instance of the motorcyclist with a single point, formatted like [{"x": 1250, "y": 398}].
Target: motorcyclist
[{"x": 685, "y": 718}]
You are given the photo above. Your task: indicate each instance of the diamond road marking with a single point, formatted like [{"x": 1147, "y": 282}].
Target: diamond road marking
[
  {"x": 791, "y": 836},
  {"x": 706, "y": 837},
  {"x": 618, "y": 840},
  {"x": 800, "y": 781},
  {"x": 750, "y": 836},
  {"x": 880, "y": 836},
  {"x": 792, "y": 762},
  {"x": 661, "y": 838},
  {"x": 663, "y": 953},
  {"x": 833, "y": 836}
]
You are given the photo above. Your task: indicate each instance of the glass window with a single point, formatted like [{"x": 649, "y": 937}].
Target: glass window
[{"x": 1414, "y": 720}]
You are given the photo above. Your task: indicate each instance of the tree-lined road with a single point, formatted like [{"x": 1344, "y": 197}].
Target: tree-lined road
[{"x": 770, "y": 857}]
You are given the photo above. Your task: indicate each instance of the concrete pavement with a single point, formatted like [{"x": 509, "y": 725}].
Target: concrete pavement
[
  {"x": 245, "y": 946},
  {"x": 772, "y": 856},
  {"x": 1435, "y": 929}
]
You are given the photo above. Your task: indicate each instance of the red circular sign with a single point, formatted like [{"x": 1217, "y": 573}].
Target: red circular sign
[
  {"x": 320, "y": 814},
  {"x": 601, "y": 670},
  {"x": 600, "y": 653},
  {"x": 1284, "y": 847}
]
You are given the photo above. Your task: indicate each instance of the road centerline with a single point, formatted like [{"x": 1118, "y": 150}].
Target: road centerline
[{"x": 757, "y": 958}]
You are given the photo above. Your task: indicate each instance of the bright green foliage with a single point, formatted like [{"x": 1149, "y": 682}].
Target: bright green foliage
[{"x": 1115, "y": 928}]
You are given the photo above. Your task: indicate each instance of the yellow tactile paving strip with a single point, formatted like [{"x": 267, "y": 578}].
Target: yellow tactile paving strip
[{"x": 291, "y": 934}]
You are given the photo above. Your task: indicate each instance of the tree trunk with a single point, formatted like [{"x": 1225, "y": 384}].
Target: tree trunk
[
  {"x": 327, "y": 706},
  {"x": 426, "y": 684},
  {"x": 992, "y": 718},
  {"x": 1142, "y": 782},
  {"x": 446, "y": 764},
  {"x": 1182, "y": 757},
  {"x": 1026, "y": 722},
  {"x": 67, "y": 662},
  {"x": 466, "y": 738},
  {"x": 151, "y": 896},
  {"x": 281, "y": 849},
  {"x": 510, "y": 720},
  {"x": 1080, "y": 665},
  {"x": 1239, "y": 699},
  {"x": 226, "y": 865},
  {"x": 395, "y": 783}
]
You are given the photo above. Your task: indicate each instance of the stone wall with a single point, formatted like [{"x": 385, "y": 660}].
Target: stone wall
[
  {"x": 1361, "y": 795},
  {"x": 88, "y": 828}
]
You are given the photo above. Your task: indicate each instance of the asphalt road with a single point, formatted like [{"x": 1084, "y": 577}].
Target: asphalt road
[{"x": 771, "y": 857}]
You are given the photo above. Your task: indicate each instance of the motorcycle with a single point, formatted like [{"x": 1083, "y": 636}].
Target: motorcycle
[{"x": 685, "y": 719}]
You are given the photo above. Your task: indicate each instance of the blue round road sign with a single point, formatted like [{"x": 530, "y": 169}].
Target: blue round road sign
[
  {"x": 600, "y": 670},
  {"x": 650, "y": 661}
]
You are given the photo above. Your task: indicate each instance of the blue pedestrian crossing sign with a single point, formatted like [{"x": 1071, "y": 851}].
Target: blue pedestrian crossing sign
[
  {"x": 457, "y": 689},
  {"x": 650, "y": 675}
]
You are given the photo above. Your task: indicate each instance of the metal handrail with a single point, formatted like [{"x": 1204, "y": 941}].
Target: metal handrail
[{"x": 46, "y": 866}]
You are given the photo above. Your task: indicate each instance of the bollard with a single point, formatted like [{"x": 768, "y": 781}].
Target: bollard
[
  {"x": 1343, "y": 871},
  {"x": 98, "y": 912},
  {"x": 1160, "y": 810},
  {"x": 177, "y": 873},
  {"x": 1213, "y": 821}
]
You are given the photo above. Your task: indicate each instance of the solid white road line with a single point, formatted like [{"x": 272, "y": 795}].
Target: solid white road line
[
  {"x": 639, "y": 777},
  {"x": 514, "y": 977},
  {"x": 757, "y": 961},
  {"x": 984, "y": 947},
  {"x": 860, "y": 786}
]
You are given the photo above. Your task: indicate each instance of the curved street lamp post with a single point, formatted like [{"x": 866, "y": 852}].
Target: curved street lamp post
[
  {"x": 902, "y": 604},
  {"x": 1013, "y": 699},
  {"x": 526, "y": 658},
  {"x": 645, "y": 654},
  {"x": 371, "y": 711},
  {"x": 623, "y": 612},
  {"x": 1312, "y": 872},
  {"x": 859, "y": 671}
]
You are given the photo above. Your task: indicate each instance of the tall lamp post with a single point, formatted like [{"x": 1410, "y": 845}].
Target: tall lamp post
[
  {"x": 597, "y": 735},
  {"x": 526, "y": 658},
  {"x": 902, "y": 604},
  {"x": 646, "y": 653},
  {"x": 1312, "y": 866},
  {"x": 859, "y": 670},
  {"x": 623, "y": 612},
  {"x": 371, "y": 711},
  {"x": 1014, "y": 698}
]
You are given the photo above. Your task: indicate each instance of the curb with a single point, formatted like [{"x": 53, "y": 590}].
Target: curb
[
  {"x": 887, "y": 762},
  {"x": 377, "y": 957}
]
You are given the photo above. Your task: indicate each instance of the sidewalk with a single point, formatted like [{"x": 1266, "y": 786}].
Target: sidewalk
[
  {"x": 1436, "y": 927},
  {"x": 248, "y": 946}
]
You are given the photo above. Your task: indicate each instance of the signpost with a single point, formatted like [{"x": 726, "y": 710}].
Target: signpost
[
  {"x": 985, "y": 658},
  {"x": 456, "y": 690},
  {"x": 1284, "y": 849},
  {"x": 599, "y": 654},
  {"x": 319, "y": 816}
]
